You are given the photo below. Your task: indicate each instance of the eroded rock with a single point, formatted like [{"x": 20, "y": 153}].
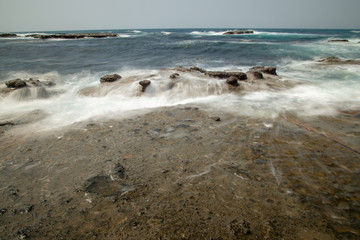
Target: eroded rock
[
  {"x": 144, "y": 84},
  {"x": 16, "y": 83},
  {"x": 110, "y": 78}
]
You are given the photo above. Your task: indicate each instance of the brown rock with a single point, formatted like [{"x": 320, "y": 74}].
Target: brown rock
[
  {"x": 5, "y": 35},
  {"x": 222, "y": 75},
  {"x": 254, "y": 75},
  {"x": 174, "y": 75},
  {"x": 144, "y": 84},
  {"x": 339, "y": 40},
  {"x": 233, "y": 81},
  {"x": 238, "y": 32},
  {"x": 267, "y": 70},
  {"x": 16, "y": 83},
  {"x": 110, "y": 78}
]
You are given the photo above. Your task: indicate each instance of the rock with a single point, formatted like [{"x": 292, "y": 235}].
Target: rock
[
  {"x": 196, "y": 69},
  {"x": 72, "y": 35},
  {"x": 234, "y": 32},
  {"x": 3, "y": 211},
  {"x": 336, "y": 60},
  {"x": 191, "y": 69},
  {"x": 119, "y": 170},
  {"x": 16, "y": 83},
  {"x": 254, "y": 75},
  {"x": 267, "y": 70},
  {"x": 222, "y": 75},
  {"x": 233, "y": 81},
  {"x": 144, "y": 84},
  {"x": 216, "y": 119},
  {"x": 5, "y": 35},
  {"x": 174, "y": 75},
  {"x": 339, "y": 40},
  {"x": 106, "y": 187},
  {"x": 110, "y": 78}
]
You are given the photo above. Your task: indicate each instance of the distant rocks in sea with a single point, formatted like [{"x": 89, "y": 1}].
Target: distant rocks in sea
[
  {"x": 237, "y": 32},
  {"x": 338, "y": 40},
  {"x": 72, "y": 35},
  {"x": 6, "y": 35},
  {"x": 337, "y": 61}
]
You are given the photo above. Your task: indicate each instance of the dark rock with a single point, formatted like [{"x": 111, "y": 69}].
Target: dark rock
[
  {"x": 267, "y": 70},
  {"x": 110, "y": 78},
  {"x": 6, "y": 123},
  {"x": 72, "y": 35},
  {"x": 16, "y": 83},
  {"x": 233, "y": 81},
  {"x": 174, "y": 75},
  {"x": 197, "y": 69},
  {"x": 5, "y": 35},
  {"x": 254, "y": 75},
  {"x": 144, "y": 84},
  {"x": 216, "y": 119},
  {"x": 339, "y": 40},
  {"x": 119, "y": 170},
  {"x": 238, "y": 228},
  {"x": 3, "y": 211},
  {"x": 234, "y": 32},
  {"x": 222, "y": 75}
]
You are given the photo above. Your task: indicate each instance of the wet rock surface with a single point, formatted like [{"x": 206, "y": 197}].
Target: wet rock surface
[
  {"x": 110, "y": 78},
  {"x": 176, "y": 173},
  {"x": 235, "y": 32}
]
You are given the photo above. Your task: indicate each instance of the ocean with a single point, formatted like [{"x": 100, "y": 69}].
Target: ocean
[{"x": 74, "y": 64}]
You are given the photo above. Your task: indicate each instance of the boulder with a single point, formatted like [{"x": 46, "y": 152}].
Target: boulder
[
  {"x": 5, "y": 35},
  {"x": 267, "y": 70},
  {"x": 144, "y": 84},
  {"x": 336, "y": 60},
  {"x": 16, "y": 83},
  {"x": 191, "y": 69},
  {"x": 110, "y": 78},
  {"x": 235, "y": 32},
  {"x": 233, "y": 81},
  {"x": 174, "y": 75},
  {"x": 223, "y": 75},
  {"x": 254, "y": 75}
]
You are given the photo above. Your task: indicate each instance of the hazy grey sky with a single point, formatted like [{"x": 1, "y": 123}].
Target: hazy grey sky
[{"x": 37, "y": 15}]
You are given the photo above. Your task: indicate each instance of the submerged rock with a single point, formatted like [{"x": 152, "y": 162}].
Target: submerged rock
[
  {"x": 174, "y": 75},
  {"x": 16, "y": 83},
  {"x": 234, "y": 32},
  {"x": 110, "y": 78},
  {"x": 144, "y": 84},
  {"x": 336, "y": 60}
]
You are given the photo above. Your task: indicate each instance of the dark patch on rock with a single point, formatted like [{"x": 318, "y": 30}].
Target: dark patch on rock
[
  {"x": 144, "y": 84},
  {"x": 182, "y": 126},
  {"x": 260, "y": 161},
  {"x": 16, "y": 83},
  {"x": 3, "y": 211},
  {"x": 235, "y": 32},
  {"x": 119, "y": 170},
  {"x": 110, "y": 78},
  {"x": 216, "y": 119},
  {"x": 197, "y": 69},
  {"x": 239, "y": 228},
  {"x": 105, "y": 186}
]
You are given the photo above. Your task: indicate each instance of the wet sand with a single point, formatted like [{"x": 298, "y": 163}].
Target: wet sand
[{"x": 179, "y": 173}]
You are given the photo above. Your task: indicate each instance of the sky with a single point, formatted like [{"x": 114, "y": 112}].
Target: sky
[{"x": 55, "y": 15}]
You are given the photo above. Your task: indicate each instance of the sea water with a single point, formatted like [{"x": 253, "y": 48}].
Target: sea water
[{"x": 75, "y": 64}]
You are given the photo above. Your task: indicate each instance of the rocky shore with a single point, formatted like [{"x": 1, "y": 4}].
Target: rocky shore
[{"x": 182, "y": 172}]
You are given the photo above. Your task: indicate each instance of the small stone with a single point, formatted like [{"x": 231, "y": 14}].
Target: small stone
[
  {"x": 110, "y": 78},
  {"x": 174, "y": 75},
  {"x": 3, "y": 211},
  {"x": 216, "y": 119}
]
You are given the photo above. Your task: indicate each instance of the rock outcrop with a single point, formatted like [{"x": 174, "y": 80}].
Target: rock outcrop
[
  {"x": 233, "y": 81},
  {"x": 110, "y": 78},
  {"x": 236, "y": 32},
  {"x": 223, "y": 75},
  {"x": 336, "y": 60},
  {"x": 339, "y": 40},
  {"x": 174, "y": 75},
  {"x": 144, "y": 84},
  {"x": 254, "y": 75}
]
